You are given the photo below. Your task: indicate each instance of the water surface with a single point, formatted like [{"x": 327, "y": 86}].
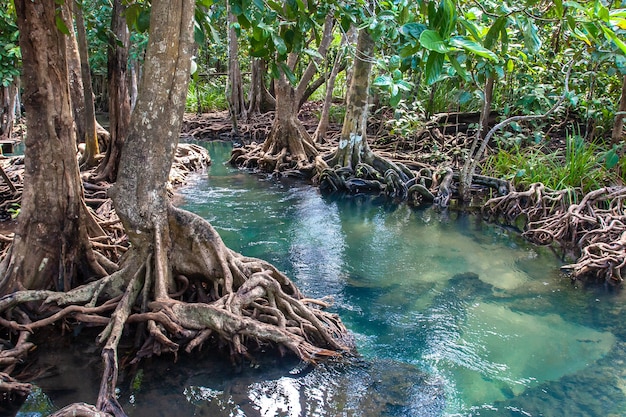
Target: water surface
[{"x": 452, "y": 316}]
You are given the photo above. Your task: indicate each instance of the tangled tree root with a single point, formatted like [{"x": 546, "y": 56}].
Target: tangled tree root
[
  {"x": 185, "y": 290},
  {"x": 218, "y": 297},
  {"x": 595, "y": 228}
]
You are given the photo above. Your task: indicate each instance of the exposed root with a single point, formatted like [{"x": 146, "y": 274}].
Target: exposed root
[
  {"x": 594, "y": 228},
  {"x": 225, "y": 299}
]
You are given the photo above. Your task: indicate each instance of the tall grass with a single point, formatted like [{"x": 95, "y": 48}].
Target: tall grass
[
  {"x": 580, "y": 165},
  {"x": 204, "y": 97}
]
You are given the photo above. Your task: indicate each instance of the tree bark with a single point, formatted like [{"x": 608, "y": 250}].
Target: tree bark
[
  {"x": 119, "y": 97},
  {"x": 618, "y": 125},
  {"x": 72, "y": 55},
  {"x": 484, "y": 115},
  {"x": 353, "y": 146},
  {"x": 140, "y": 195},
  {"x": 259, "y": 99},
  {"x": 92, "y": 148},
  {"x": 234, "y": 88},
  {"x": 354, "y": 167},
  {"x": 8, "y": 105},
  {"x": 51, "y": 239}
]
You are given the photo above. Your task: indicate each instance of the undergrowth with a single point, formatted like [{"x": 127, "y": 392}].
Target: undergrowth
[
  {"x": 204, "y": 97},
  {"x": 580, "y": 165}
]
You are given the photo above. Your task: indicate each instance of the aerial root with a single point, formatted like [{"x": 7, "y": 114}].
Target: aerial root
[{"x": 594, "y": 228}]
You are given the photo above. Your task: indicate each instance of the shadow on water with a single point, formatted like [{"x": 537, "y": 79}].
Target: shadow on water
[{"x": 452, "y": 316}]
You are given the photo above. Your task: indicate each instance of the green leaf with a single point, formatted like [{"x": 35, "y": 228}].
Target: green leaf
[
  {"x": 613, "y": 36},
  {"x": 409, "y": 50},
  {"x": 602, "y": 12},
  {"x": 620, "y": 63},
  {"x": 198, "y": 35},
  {"x": 494, "y": 32},
  {"x": 458, "y": 67},
  {"x": 432, "y": 41},
  {"x": 279, "y": 43},
  {"x": 313, "y": 53},
  {"x": 259, "y": 5},
  {"x": 143, "y": 21},
  {"x": 611, "y": 159},
  {"x": 382, "y": 81},
  {"x": 558, "y": 4},
  {"x": 132, "y": 13},
  {"x": 394, "y": 61},
  {"x": 531, "y": 37},
  {"x": 413, "y": 30},
  {"x": 447, "y": 11},
  {"x": 394, "y": 100},
  {"x": 404, "y": 85},
  {"x": 58, "y": 20},
  {"x": 274, "y": 5},
  {"x": 473, "y": 47},
  {"x": 471, "y": 28},
  {"x": 510, "y": 65},
  {"x": 434, "y": 67},
  {"x": 288, "y": 73}
]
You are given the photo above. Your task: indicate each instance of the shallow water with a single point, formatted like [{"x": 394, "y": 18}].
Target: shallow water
[{"x": 452, "y": 316}]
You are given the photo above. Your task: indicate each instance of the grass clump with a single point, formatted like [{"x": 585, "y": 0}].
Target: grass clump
[
  {"x": 580, "y": 165},
  {"x": 204, "y": 97}
]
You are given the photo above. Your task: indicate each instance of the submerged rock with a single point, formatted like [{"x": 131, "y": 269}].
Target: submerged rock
[{"x": 351, "y": 387}]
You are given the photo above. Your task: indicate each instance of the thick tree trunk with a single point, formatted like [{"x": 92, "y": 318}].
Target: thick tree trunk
[
  {"x": 353, "y": 146},
  {"x": 618, "y": 125},
  {"x": 92, "y": 148},
  {"x": 51, "y": 240},
  {"x": 119, "y": 97},
  {"x": 140, "y": 195}
]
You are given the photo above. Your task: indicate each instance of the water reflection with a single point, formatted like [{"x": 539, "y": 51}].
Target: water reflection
[{"x": 451, "y": 316}]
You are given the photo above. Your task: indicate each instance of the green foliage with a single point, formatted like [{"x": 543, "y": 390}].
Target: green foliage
[
  {"x": 204, "y": 96},
  {"x": 581, "y": 165},
  {"x": 407, "y": 119},
  {"x": 10, "y": 55}
]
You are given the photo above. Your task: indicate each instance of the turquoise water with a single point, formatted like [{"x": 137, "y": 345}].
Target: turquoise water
[{"x": 451, "y": 316}]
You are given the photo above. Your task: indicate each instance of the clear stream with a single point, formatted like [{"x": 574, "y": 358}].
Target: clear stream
[{"x": 452, "y": 317}]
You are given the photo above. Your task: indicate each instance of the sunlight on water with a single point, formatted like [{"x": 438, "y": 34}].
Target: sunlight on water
[
  {"x": 452, "y": 316},
  {"x": 434, "y": 289}
]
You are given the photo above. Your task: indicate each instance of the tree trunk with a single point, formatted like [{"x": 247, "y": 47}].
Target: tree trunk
[
  {"x": 322, "y": 127},
  {"x": 360, "y": 169},
  {"x": 488, "y": 99},
  {"x": 353, "y": 146},
  {"x": 234, "y": 88},
  {"x": 618, "y": 125},
  {"x": 119, "y": 98},
  {"x": 51, "y": 240},
  {"x": 140, "y": 195},
  {"x": 288, "y": 146},
  {"x": 260, "y": 100},
  {"x": 75, "y": 73},
  {"x": 8, "y": 103},
  {"x": 92, "y": 148}
]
